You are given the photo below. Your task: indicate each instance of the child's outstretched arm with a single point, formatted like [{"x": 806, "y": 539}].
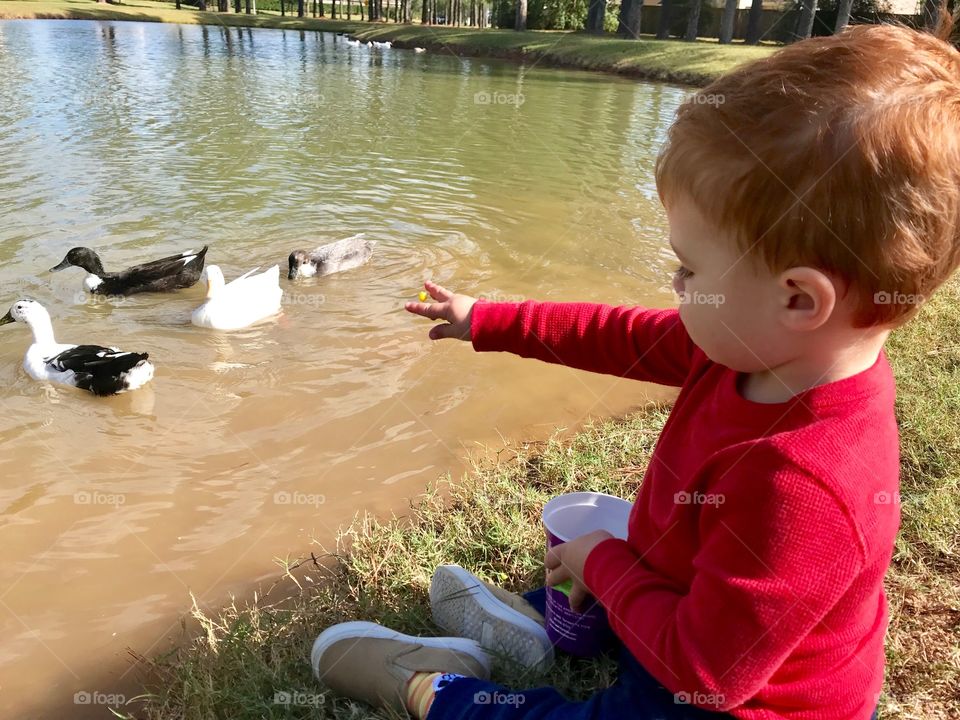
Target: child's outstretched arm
[{"x": 631, "y": 342}]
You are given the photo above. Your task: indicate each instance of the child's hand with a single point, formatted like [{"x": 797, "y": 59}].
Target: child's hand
[
  {"x": 457, "y": 310},
  {"x": 566, "y": 561}
]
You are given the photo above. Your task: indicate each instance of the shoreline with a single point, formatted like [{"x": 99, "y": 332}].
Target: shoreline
[{"x": 671, "y": 61}]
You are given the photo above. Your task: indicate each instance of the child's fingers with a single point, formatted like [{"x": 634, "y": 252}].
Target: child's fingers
[
  {"x": 577, "y": 597},
  {"x": 437, "y": 292},
  {"x": 434, "y": 311},
  {"x": 439, "y": 332},
  {"x": 553, "y": 557}
]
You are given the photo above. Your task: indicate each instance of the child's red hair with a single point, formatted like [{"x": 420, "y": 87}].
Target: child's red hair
[{"x": 839, "y": 152}]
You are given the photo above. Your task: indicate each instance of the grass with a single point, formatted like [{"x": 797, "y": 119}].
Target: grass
[
  {"x": 691, "y": 63},
  {"x": 489, "y": 522}
]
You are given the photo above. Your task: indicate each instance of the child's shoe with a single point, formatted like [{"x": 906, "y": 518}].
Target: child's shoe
[
  {"x": 368, "y": 662},
  {"x": 504, "y": 624}
]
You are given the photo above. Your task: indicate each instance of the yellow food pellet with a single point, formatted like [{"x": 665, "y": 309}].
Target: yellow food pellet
[{"x": 423, "y": 296}]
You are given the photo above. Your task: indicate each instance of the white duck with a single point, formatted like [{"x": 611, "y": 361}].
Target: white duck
[
  {"x": 419, "y": 50},
  {"x": 240, "y": 303},
  {"x": 101, "y": 370}
]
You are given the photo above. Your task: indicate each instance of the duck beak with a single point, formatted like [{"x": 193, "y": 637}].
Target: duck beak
[
  {"x": 62, "y": 266},
  {"x": 6, "y": 319}
]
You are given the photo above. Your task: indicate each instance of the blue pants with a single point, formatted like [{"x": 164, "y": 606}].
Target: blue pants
[{"x": 636, "y": 695}]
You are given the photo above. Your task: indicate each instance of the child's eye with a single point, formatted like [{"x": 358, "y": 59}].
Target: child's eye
[{"x": 682, "y": 273}]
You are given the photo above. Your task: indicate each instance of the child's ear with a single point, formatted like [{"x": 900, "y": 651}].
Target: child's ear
[{"x": 807, "y": 298}]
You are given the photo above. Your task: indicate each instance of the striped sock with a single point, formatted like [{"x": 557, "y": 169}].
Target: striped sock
[{"x": 422, "y": 688}]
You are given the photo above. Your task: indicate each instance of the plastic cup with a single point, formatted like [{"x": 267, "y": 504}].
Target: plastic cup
[{"x": 566, "y": 517}]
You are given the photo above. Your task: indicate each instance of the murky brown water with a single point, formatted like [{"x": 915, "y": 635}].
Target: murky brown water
[{"x": 142, "y": 140}]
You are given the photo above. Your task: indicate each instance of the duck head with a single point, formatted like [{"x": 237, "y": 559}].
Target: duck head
[
  {"x": 212, "y": 275},
  {"x": 301, "y": 265},
  {"x": 26, "y": 311},
  {"x": 83, "y": 258}
]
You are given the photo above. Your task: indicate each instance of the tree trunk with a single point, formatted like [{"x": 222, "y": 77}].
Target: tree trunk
[
  {"x": 178, "y": 4},
  {"x": 753, "y": 22},
  {"x": 663, "y": 27},
  {"x": 236, "y": 6},
  {"x": 521, "y": 21},
  {"x": 693, "y": 20},
  {"x": 843, "y": 15},
  {"x": 931, "y": 14},
  {"x": 596, "y": 11},
  {"x": 283, "y": 8},
  {"x": 254, "y": 4},
  {"x": 202, "y": 5},
  {"x": 247, "y": 6},
  {"x": 425, "y": 13},
  {"x": 728, "y": 20},
  {"x": 300, "y": 9},
  {"x": 807, "y": 14}
]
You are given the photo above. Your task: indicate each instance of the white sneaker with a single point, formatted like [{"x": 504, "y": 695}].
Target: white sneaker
[{"x": 504, "y": 624}]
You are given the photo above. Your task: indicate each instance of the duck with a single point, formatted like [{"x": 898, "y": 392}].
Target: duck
[
  {"x": 97, "y": 369},
  {"x": 342, "y": 255},
  {"x": 354, "y": 42},
  {"x": 242, "y": 302},
  {"x": 419, "y": 49},
  {"x": 169, "y": 273}
]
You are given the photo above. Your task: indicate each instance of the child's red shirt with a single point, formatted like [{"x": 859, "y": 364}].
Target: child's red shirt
[{"x": 752, "y": 577}]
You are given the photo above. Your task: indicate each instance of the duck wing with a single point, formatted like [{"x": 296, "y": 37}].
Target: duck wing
[
  {"x": 187, "y": 263},
  {"x": 96, "y": 368}
]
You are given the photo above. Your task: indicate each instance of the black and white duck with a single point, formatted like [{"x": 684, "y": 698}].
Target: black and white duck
[
  {"x": 169, "y": 273},
  {"x": 95, "y": 368}
]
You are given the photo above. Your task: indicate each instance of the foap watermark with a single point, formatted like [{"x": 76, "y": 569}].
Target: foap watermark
[
  {"x": 95, "y": 697},
  {"x": 700, "y": 699},
  {"x": 498, "y": 698},
  {"x": 886, "y": 498},
  {"x": 298, "y": 498},
  {"x": 702, "y": 98},
  {"x": 303, "y": 299},
  {"x": 94, "y": 298},
  {"x": 95, "y": 497},
  {"x": 299, "y": 698},
  {"x": 698, "y": 498},
  {"x": 498, "y": 98},
  {"x": 498, "y": 297},
  {"x": 897, "y": 298},
  {"x": 698, "y": 298},
  {"x": 300, "y": 98}
]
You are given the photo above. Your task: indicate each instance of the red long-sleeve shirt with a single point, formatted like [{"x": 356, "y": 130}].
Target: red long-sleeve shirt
[{"x": 752, "y": 576}]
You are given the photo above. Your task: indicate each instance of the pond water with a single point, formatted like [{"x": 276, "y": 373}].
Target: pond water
[{"x": 141, "y": 140}]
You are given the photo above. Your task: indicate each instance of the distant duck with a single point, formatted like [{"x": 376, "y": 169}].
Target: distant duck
[
  {"x": 240, "y": 303},
  {"x": 354, "y": 42},
  {"x": 169, "y": 273},
  {"x": 101, "y": 370},
  {"x": 327, "y": 259},
  {"x": 419, "y": 50}
]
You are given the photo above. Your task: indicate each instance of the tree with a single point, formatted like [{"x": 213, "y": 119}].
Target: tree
[
  {"x": 202, "y": 5},
  {"x": 727, "y": 20},
  {"x": 753, "y": 23},
  {"x": 663, "y": 27},
  {"x": 808, "y": 11},
  {"x": 843, "y": 15},
  {"x": 300, "y": 12},
  {"x": 521, "y": 23},
  {"x": 596, "y": 11},
  {"x": 693, "y": 20},
  {"x": 425, "y": 13}
]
